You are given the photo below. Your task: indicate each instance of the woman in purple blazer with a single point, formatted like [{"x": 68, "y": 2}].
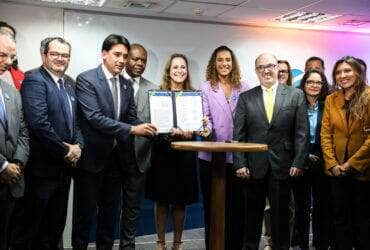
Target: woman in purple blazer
[{"x": 220, "y": 96}]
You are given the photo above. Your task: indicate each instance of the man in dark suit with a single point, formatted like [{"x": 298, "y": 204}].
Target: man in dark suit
[
  {"x": 277, "y": 116},
  {"x": 137, "y": 158},
  {"x": 50, "y": 107},
  {"x": 108, "y": 120},
  {"x": 14, "y": 147}
]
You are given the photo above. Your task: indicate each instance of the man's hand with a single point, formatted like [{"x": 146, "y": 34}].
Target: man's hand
[
  {"x": 243, "y": 173},
  {"x": 11, "y": 174},
  {"x": 144, "y": 129},
  {"x": 294, "y": 172},
  {"x": 74, "y": 153}
]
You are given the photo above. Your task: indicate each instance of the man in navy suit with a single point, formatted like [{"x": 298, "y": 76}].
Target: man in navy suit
[
  {"x": 108, "y": 120},
  {"x": 50, "y": 109}
]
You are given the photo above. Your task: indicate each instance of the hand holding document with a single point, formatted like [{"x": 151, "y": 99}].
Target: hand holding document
[{"x": 180, "y": 109}]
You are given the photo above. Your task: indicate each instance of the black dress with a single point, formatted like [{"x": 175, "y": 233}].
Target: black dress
[{"x": 172, "y": 177}]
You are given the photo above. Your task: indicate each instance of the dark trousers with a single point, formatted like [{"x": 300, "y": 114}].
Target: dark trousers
[
  {"x": 234, "y": 209},
  {"x": 41, "y": 223},
  {"x": 100, "y": 193},
  {"x": 7, "y": 202},
  {"x": 351, "y": 211},
  {"x": 313, "y": 184},
  {"x": 278, "y": 193},
  {"x": 132, "y": 187}
]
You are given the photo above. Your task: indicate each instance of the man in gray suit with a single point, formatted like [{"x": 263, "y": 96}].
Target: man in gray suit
[
  {"x": 14, "y": 147},
  {"x": 138, "y": 158},
  {"x": 275, "y": 115}
]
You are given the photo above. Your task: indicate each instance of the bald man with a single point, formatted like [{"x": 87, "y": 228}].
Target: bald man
[
  {"x": 275, "y": 115},
  {"x": 14, "y": 148},
  {"x": 137, "y": 158}
]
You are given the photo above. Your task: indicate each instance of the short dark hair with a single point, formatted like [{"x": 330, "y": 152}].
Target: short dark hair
[
  {"x": 59, "y": 39},
  {"x": 45, "y": 42},
  {"x": 114, "y": 39},
  {"x": 6, "y": 25},
  {"x": 324, "y": 87},
  {"x": 315, "y": 58}
]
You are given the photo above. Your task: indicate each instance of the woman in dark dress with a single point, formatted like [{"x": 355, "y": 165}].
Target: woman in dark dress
[{"x": 172, "y": 179}]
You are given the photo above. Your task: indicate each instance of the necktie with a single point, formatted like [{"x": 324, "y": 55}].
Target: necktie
[
  {"x": 114, "y": 95},
  {"x": 269, "y": 103},
  {"x": 135, "y": 82},
  {"x": 3, "y": 118},
  {"x": 66, "y": 106}
]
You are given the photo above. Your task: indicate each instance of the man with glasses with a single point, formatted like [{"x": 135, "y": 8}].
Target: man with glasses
[
  {"x": 50, "y": 108},
  {"x": 14, "y": 147},
  {"x": 276, "y": 115}
]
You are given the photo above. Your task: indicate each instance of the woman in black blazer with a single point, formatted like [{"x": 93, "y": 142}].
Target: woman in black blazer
[{"x": 310, "y": 190}]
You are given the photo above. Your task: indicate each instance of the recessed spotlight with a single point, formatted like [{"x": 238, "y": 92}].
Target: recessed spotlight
[
  {"x": 98, "y": 3},
  {"x": 198, "y": 11},
  {"x": 305, "y": 17}
]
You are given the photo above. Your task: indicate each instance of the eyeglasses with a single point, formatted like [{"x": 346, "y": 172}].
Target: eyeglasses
[
  {"x": 285, "y": 72},
  {"x": 57, "y": 55},
  {"x": 312, "y": 83},
  {"x": 270, "y": 66}
]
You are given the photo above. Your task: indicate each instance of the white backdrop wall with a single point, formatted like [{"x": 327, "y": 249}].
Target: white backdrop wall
[{"x": 86, "y": 31}]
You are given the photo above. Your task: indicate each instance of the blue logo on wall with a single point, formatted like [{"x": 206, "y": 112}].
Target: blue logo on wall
[{"x": 297, "y": 76}]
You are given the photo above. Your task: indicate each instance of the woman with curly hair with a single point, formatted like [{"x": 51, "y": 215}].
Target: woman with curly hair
[
  {"x": 172, "y": 179},
  {"x": 345, "y": 142},
  {"x": 220, "y": 95}
]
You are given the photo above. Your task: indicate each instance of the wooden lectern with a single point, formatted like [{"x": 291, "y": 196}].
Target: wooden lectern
[{"x": 218, "y": 149}]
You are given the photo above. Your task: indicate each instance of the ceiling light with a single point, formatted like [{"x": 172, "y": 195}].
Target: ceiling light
[
  {"x": 305, "y": 17},
  {"x": 356, "y": 22},
  {"x": 79, "y": 2},
  {"x": 198, "y": 11}
]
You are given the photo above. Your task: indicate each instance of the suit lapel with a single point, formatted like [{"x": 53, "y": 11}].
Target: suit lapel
[
  {"x": 319, "y": 119},
  {"x": 279, "y": 98},
  {"x": 219, "y": 97},
  {"x": 8, "y": 105},
  {"x": 140, "y": 98},
  {"x": 103, "y": 84},
  {"x": 339, "y": 105},
  {"x": 260, "y": 103}
]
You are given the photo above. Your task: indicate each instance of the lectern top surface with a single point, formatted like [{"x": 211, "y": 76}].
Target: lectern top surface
[{"x": 210, "y": 146}]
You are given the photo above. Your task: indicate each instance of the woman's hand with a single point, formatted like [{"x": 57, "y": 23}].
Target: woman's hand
[
  {"x": 338, "y": 170},
  {"x": 206, "y": 132},
  {"x": 313, "y": 158}
]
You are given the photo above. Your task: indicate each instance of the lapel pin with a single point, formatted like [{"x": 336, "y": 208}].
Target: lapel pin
[
  {"x": 124, "y": 86},
  {"x": 6, "y": 96}
]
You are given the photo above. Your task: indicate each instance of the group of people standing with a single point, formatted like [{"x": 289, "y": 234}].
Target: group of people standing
[{"x": 97, "y": 130}]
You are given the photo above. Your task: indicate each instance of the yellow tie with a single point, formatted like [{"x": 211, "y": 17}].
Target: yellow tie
[{"x": 270, "y": 101}]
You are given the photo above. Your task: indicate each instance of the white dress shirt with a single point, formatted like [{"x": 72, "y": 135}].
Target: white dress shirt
[
  {"x": 264, "y": 92},
  {"x": 134, "y": 80}
]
